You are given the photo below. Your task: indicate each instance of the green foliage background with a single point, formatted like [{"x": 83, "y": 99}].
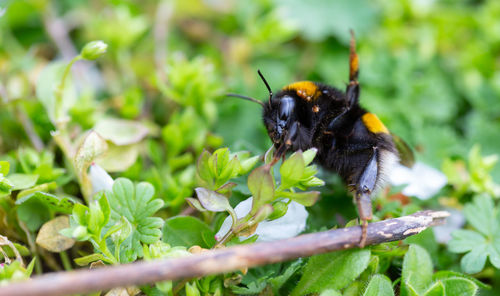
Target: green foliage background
[{"x": 429, "y": 70}]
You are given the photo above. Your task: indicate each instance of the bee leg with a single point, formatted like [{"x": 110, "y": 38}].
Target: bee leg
[
  {"x": 352, "y": 91},
  {"x": 364, "y": 189}
]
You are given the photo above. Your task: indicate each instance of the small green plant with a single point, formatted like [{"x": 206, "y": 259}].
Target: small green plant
[{"x": 481, "y": 242}]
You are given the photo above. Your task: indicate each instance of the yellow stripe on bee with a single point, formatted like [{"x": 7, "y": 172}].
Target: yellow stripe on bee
[
  {"x": 373, "y": 124},
  {"x": 304, "y": 89}
]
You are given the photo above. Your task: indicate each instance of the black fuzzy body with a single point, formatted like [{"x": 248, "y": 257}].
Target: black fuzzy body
[{"x": 345, "y": 144}]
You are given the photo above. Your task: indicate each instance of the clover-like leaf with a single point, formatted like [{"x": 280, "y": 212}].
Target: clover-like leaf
[
  {"x": 483, "y": 241},
  {"x": 138, "y": 204}
]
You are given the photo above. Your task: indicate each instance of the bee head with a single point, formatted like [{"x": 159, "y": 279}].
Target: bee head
[{"x": 278, "y": 117}]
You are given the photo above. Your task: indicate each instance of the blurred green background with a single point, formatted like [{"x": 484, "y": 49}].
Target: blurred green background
[{"x": 429, "y": 69}]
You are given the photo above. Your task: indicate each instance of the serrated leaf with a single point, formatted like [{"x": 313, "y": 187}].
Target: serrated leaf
[
  {"x": 332, "y": 271},
  {"x": 187, "y": 231},
  {"x": 136, "y": 203},
  {"x": 49, "y": 237},
  {"x": 379, "y": 285},
  {"x": 261, "y": 185},
  {"x": 417, "y": 268},
  {"x": 481, "y": 214},
  {"x": 464, "y": 240}
]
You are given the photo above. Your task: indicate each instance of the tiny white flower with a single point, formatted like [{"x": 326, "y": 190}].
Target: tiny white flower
[
  {"x": 290, "y": 225},
  {"x": 100, "y": 179},
  {"x": 423, "y": 181}
]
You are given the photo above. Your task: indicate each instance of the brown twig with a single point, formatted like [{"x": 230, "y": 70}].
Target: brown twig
[{"x": 222, "y": 260}]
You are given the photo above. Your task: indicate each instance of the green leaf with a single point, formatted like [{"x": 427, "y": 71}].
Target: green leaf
[
  {"x": 304, "y": 198},
  {"x": 212, "y": 200},
  {"x": 417, "y": 268},
  {"x": 4, "y": 167},
  {"x": 186, "y": 231},
  {"x": 474, "y": 261},
  {"x": 23, "y": 181},
  {"x": 446, "y": 274},
  {"x": 261, "y": 185},
  {"x": 379, "y": 285},
  {"x": 48, "y": 82},
  {"x": 86, "y": 260},
  {"x": 330, "y": 292},
  {"x": 138, "y": 204},
  {"x": 55, "y": 203},
  {"x": 120, "y": 131},
  {"x": 118, "y": 158},
  {"x": 203, "y": 169},
  {"x": 34, "y": 213},
  {"x": 248, "y": 164},
  {"x": 465, "y": 240},
  {"x": 481, "y": 214},
  {"x": 436, "y": 289},
  {"x": 292, "y": 169},
  {"x": 460, "y": 286},
  {"x": 309, "y": 155},
  {"x": 278, "y": 281},
  {"x": 332, "y": 271}
]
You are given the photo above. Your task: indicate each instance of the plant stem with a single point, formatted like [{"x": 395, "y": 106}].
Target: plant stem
[
  {"x": 60, "y": 89},
  {"x": 65, "y": 260}
]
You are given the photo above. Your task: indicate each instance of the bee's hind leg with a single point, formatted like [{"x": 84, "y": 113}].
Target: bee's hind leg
[
  {"x": 364, "y": 189},
  {"x": 364, "y": 205}
]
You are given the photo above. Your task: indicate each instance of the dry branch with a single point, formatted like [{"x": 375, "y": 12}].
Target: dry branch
[{"x": 222, "y": 260}]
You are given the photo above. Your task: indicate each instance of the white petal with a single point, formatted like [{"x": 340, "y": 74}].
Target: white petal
[
  {"x": 291, "y": 224},
  {"x": 100, "y": 179},
  {"x": 423, "y": 181}
]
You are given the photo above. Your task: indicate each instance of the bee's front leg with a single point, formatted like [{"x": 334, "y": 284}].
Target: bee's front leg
[{"x": 364, "y": 189}]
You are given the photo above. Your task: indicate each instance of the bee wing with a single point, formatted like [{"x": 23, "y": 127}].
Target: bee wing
[{"x": 406, "y": 156}]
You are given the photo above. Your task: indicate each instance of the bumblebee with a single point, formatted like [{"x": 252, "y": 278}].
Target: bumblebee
[{"x": 350, "y": 140}]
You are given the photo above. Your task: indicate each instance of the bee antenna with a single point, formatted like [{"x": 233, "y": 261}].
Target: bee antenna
[
  {"x": 246, "y": 98},
  {"x": 267, "y": 85}
]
